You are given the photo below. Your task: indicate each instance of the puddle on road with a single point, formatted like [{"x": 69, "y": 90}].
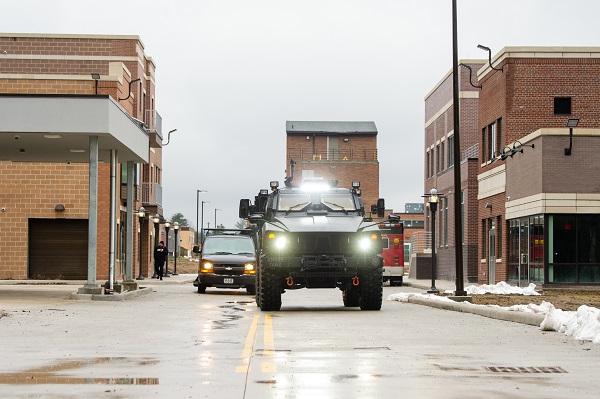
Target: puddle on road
[
  {"x": 231, "y": 313},
  {"x": 47, "y": 374}
]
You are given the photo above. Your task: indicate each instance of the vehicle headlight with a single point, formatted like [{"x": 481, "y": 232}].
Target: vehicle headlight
[
  {"x": 364, "y": 244},
  {"x": 249, "y": 268},
  {"x": 207, "y": 267},
  {"x": 281, "y": 242}
]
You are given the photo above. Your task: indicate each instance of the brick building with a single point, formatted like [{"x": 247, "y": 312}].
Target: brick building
[
  {"x": 539, "y": 210},
  {"x": 440, "y": 164},
  {"x": 413, "y": 220},
  {"x": 342, "y": 151},
  {"x": 43, "y": 226}
]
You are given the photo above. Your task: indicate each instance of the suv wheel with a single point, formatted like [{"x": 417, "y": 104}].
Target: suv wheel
[
  {"x": 371, "y": 289},
  {"x": 201, "y": 288},
  {"x": 396, "y": 281},
  {"x": 269, "y": 288},
  {"x": 251, "y": 289},
  {"x": 351, "y": 297}
]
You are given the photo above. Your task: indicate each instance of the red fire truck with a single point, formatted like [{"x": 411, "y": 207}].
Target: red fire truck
[{"x": 393, "y": 251}]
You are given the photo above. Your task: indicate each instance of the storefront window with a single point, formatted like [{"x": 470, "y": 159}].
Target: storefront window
[
  {"x": 513, "y": 251},
  {"x": 574, "y": 250}
]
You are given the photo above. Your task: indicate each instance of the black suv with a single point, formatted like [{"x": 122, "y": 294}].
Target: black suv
[
  {"x": 315, "y": 236},
  {"x": 227, "y": 260}
]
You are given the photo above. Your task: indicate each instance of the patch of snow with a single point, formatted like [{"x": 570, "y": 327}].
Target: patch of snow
[
  {"x": 501, "y": 288},
  {"x": 583, "y": 324},
  {"x": 404, "y": 297}
]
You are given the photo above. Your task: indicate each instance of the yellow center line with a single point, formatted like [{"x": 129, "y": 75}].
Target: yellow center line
[
  {"x": 248, "y": 346},
  {"x": 268, "y": 363}
]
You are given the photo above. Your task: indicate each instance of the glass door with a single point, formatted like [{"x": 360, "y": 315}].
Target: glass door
[{"x": 523, "y": 252}]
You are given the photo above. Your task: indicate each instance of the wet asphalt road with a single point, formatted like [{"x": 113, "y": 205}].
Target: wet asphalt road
[{"x": 176, "y": 343}]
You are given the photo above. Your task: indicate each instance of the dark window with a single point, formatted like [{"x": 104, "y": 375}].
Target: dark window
[
  {"x": 386, "y": 242},
  {"x": 484, "y": 154},
  {"x": 499, "y": 136},
  {"x": 492, "y": 141},
  {"x": 427, "y": 170},
  {"x": 442, "y": 152},
  {"x": 446, "y": 221},
  {"x": 499, "y": 237},
  {"x": 484, "y": 233},
  {"x": 562, "y": 105},
  {"x": 450, "y": 151}
]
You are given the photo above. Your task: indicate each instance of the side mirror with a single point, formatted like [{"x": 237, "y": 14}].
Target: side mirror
[
  {"x": 244, "y": 208},
  {"x": 196, "y": 249},
  {"x": 380, "y": 207}
]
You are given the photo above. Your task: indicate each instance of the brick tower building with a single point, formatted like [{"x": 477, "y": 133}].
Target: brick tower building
[{"x": 342, "y": 151}]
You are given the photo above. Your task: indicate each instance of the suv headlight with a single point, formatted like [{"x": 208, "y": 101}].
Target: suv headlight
[
  {"x": 249, "y": 268},
  {"x": 207, "y": 267}
]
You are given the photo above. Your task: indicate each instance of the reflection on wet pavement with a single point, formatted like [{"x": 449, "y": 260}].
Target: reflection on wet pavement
[{"x": 47, "y": 374}]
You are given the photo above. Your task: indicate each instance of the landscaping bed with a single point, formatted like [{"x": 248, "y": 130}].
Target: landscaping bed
[{"x": 561, "y": 298}]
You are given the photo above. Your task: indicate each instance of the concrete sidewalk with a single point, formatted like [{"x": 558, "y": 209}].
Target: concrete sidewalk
[{"x": 441, "y": 285}]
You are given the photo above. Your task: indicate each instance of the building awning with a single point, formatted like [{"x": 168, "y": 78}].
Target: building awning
[{"x": 56, "y": 128}]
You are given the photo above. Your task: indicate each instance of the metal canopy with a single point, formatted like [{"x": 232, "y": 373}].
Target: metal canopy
[{"x": 56, "y": 128}]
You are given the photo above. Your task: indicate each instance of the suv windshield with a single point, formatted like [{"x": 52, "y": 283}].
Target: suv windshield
[
  {"x": 228, "y": 246},
  {"x": 335, "y": 201}
]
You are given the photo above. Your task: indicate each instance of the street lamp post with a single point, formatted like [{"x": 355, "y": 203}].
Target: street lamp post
[
  {"x": 197, "y": 211},
  {"x": 433, "y": 199},
  {"x": 202, "y": 222},
  {"x": 141, "y": 216},
  {"x": 176, "y": 249},
  {"x": 458, "y": 228},
  {"x": 156, "y": 221},
  {"x": 216, "y": 209},
  {"x": 167, "y": 227}
]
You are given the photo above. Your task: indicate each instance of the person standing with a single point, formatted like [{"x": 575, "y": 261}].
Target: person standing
[{"x": 160, "y": 256}]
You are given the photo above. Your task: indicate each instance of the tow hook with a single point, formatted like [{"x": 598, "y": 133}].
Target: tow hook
[
  {"x": 355, "y": 281},
  {"x": 289, "y": 281}
]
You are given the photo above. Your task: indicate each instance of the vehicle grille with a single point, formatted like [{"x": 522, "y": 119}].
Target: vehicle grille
[
  {"x": 323, "y": 243},
  {"x": 229, "y": 270}
]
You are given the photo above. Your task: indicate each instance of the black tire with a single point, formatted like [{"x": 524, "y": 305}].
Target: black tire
[
  {"x": 371, "y": 289},
  {"x": 269, "y": 288},
  {"x": 201, "y": 288},
  {"x": 257, "y": 289},
  {"x": 251, "y": 289},
  {"x": 351, "y": 297}
]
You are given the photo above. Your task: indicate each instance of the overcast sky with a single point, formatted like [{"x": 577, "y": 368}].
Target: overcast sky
[{"x": 231, "y": 72}]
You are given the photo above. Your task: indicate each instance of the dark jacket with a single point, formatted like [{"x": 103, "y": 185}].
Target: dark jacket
[{"x": 160, "y": 255}]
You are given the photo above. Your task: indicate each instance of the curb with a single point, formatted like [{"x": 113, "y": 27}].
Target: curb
[
  {"x": 486, "y": 311},
  {"x": 128, "y": 295}
]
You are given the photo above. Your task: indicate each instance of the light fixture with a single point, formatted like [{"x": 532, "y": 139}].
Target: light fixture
[
  {"x": 76, "y": 150},
  {"x": 156, "y": 218},
  {"x": 281, "y": 242},
  {"x": 52, "y": 136},
  {"x": 346, "y": 139},
  {"x": 489, "y": 51},
  {"x": 355, "y": 184},
  {"x": 141, "y": 212},
  {"x": 169, "y": 137},
  {"x": 167, "y": 224},
  {"x": 274, "y": 185},
  {"x": 96, "y": 76},
  {"x": 59, "y": 208},
  {"x": 364, "y": 243},
  {"x": 433, "y": 196},
  {"x": 176, "y": 226},
  {"x": 573, "y": 122}
]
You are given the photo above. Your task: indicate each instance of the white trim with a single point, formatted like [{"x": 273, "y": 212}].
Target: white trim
[
  {"x": 463, "y": 94},
  {"x": 64, "y": 57},
  {"x": 561, "y": 131},
  {"x": 578, "y": 203},
  {"x": 35, "y": 76},
  {"x": 491, "y": 182},
  {"x": 72, "y": 36},
  {"x": 538, "y": 52}
]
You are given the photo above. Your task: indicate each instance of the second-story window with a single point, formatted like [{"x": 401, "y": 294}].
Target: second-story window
[
  {"x": 562, "y": 105},
  {"x": 442, "y": 153},
  {"x": 427, "y": 169},
  {"x": 450, "y": 151},
  {"x": 492, "y": 140}
]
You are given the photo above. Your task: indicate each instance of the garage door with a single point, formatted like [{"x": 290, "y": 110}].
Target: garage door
[{"x": 58, "y": 249}]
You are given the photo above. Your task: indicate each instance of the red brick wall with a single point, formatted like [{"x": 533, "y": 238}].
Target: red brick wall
[{"x": 33, "y": 189}]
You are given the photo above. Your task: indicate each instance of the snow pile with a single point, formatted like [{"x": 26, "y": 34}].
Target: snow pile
[
  {"x": 501, "y": 288},
  {"x": 405, "y": 296},
  {"x": 583, "y": 324}
]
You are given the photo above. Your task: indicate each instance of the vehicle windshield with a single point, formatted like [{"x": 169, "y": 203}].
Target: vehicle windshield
[
  {"x": 298, "y": 201},
  {"x": 228, "y": 246}
]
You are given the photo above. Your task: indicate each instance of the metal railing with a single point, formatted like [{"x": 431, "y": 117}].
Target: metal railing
[
  {"x": 420, "y": 242},
  {"x": 153, "y": 121},
  {"x": 151, "y": 193},
  {"x": 471, "y": 152},
  {"x": 350, "y": 154}
]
